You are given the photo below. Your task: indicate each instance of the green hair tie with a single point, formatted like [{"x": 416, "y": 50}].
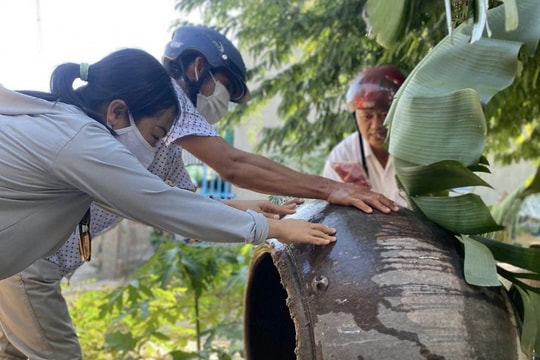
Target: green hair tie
[{"x": 83, "y": 71}]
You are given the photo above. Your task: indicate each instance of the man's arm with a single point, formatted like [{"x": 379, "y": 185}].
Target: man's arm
[{"x": 258, "y": 173}]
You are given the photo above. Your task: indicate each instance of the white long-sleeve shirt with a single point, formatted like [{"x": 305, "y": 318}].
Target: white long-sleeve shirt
[{"x": 55, "y": 160}]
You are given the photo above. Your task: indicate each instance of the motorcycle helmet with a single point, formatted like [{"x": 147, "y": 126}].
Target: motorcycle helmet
[
  {"x": 187, "y": 42},
  {"x": 374, "y": 88}
]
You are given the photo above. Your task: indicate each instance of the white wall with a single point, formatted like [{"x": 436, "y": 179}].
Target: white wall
[
  {"x": 504, "y": 179},
  {"x": 247, "y": 136}
]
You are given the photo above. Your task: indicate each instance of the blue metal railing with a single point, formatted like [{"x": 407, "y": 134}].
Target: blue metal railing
[{"x": 213, "y": 185}]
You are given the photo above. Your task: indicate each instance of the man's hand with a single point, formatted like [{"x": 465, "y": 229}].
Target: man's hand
[
  {"x": 267, "y": 208},
  {"x": 363, "y": 199}
]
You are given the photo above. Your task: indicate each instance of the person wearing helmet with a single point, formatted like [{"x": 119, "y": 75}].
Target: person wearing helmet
[
  {"x": 197, "y": 53},
  {"x": 362, "y": 157},
  {"x": 205, "y": 63}
]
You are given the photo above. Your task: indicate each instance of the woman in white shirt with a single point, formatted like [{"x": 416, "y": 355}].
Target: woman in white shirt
[{"x": 58, "y": 154}]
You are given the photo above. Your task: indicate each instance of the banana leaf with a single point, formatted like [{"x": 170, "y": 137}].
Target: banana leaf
[
  {"x": 522, "y": 257},
  {"x": 387, "y": 28},
  {"x": 522, "y": 279},
  {"x": 481, "y": 257},
  {"x": 534, "y": 186},
  {"x": 437, "y": 114},
  {"x": 528, "y": 29},
  {"x": 388, "y": 20},
  {"x": 530, "y": 336},
  {"x": 480, "y": 267},
  {"x": 485, "y": 258},
  {"x": 511, "y": 19},
  {"x": 436, "y": 177},
  {"x": 439, "y": 126},
  {"x": 463, "y": 214}
]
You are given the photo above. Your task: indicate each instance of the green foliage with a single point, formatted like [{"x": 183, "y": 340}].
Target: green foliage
[
  {"x": 186, "y": 302},
  {"x": 90, "y": 324},
  {"x": 513, "y": 115}
]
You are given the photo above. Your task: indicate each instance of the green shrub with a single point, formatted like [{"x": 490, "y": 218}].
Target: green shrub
[{"x": 185, "y": 302}]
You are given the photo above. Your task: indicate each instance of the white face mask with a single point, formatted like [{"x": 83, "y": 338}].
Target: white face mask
[
  {"x": 215, "y": 106},
  {"x": 132, "y": 138}
]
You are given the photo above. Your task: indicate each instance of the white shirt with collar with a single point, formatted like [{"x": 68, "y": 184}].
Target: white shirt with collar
[{"x": 382, "y": 180}]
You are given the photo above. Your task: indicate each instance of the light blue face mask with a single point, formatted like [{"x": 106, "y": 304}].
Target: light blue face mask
[{"x": 132, "y": 138}]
